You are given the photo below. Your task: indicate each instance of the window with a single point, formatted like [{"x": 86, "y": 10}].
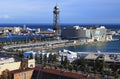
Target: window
[{"x": 31, "y": 66}]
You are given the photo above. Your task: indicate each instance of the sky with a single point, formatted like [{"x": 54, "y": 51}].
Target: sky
[{"x": 71, "y": 11}]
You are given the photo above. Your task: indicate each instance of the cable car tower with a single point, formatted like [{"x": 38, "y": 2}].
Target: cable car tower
[{"x": 56, "y": 27}]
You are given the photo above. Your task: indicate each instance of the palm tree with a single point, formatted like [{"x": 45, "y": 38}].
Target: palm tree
[
  {"x": 66, "y": 62},
  {"x": 62, "y": 60}
]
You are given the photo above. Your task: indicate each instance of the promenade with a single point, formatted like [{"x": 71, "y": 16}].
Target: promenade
[
  {"x": 39, "y": 45},
  {"x": 47, "y": 45}
]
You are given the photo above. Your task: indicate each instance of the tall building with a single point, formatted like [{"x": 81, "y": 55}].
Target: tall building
[{"x": 56, "y": 27}]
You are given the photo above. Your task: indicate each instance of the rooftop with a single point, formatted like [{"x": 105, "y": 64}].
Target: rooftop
[
  {"x": 64, "y": 73},
  {"x": 91, "y": 56},
  {"x": 21, "y": 70},
  {"x": 4, "y": 60}
]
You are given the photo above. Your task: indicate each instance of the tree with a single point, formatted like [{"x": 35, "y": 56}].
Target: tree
[
  {"x": 20, "y": 54},
  {"x": 70, "y": 67},
  {"x": 31, "y": 56},
  {"x": 116, "y": 74},
  {"x": 54, "y": 58},
  {"x": 62, "y": 60},
  {"x": 45, "y": 58},
  {"x": 41, "y": 58},
  {"x": 50, "y": 58},
  {"x": 55, "y": 66},
  {"x": 88, "y": 69},
  {"x": 99, "y": 65},
  {"x": 76, "y": 68},
  {"x": 108, "y": 72},
  {"x": 1, "y": 46},
  {"x": 66, "y": 62},
  {"x": 83, "y": 64}
]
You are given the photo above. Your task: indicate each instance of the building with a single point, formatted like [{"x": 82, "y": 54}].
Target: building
[
  {"x": 85, "y": 34},
  {"x": 40, "y": 73},
  {"x": 22, "y": 73},
  {"x": 71, "y": 56},
  {"x": 10, "y": 64},
  {"x": 16, "y": 30},
  {"x": 48, "y": 73},
  {"x": 29, "y": 53},
  {"x": 98, "y": 33},
  {"x": 74, "y": 32}
]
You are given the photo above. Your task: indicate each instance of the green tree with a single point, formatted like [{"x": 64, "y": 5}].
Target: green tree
[
  {"x": 62, "y": 60},
  {"x": 100, "y": 65},
  {"x": 31, "y": 56},
  {"x": 108, "y": 72},
  {"x": 50, "y": 58},
  {"x": 70, "y": 67},
  {"x": 76, "y": 68},
  {"x": 41, "y": 58},
  {"x": 20, "y": 55},
  {"x": 54, "y": 58},
  {"x": 116, "y": 74},
  {"x": 45, "y": 58},
  {"x": 88, "y": 69},
  {"x": 66, "y": 62}
]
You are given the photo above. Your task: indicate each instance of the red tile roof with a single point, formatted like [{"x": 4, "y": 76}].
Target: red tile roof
[{"x": 64, "y": 73}]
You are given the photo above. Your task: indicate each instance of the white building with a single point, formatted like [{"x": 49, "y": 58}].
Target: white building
[
  {"x": 69, "y": 54},
  {"x": 16, "y": 30}
]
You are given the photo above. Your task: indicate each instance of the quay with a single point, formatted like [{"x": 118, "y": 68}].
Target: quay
[
  {"x": 43, "y": 45},
  {"x": 47, "y": 45}
]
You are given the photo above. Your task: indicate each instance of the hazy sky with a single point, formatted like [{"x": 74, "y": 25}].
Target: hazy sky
[{"x": 71, "y": 11}]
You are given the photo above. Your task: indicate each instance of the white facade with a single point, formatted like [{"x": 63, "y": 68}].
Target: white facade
[
  {"x": 16, "y": 29},
  {"x": 69, "y": 54}
]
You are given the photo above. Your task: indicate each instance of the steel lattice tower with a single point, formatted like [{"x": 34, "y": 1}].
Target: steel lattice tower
[{"x": 56, "y": 20}]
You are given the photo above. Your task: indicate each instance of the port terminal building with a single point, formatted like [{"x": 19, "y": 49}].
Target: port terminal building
[{"x": 85, "y": 34}]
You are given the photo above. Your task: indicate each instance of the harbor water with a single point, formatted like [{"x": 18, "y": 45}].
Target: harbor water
[{"x": 110, "y": 46}]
